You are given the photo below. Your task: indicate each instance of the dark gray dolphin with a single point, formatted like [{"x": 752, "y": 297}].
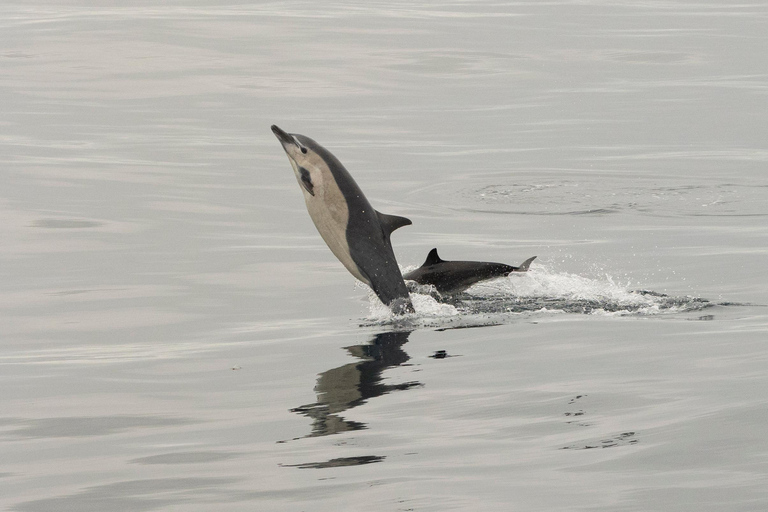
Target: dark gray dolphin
[
  {"x": 356, "y": 233},
  {"x": 450, "y": 277}
]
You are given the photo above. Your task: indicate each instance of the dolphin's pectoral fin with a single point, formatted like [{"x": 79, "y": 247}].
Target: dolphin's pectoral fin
[
  {"x": 306, "y": 181},
  {"x": 389, "y": 223},
  {"x": 432, "y": 258},
  {"x": 524, "y": 265}
]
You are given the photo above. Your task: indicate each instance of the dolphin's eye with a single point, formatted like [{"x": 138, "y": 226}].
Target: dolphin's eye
[{"x": 304, "y": 150}]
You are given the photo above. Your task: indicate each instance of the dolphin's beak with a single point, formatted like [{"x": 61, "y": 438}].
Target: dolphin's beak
[{"x": 283, "y": 137}]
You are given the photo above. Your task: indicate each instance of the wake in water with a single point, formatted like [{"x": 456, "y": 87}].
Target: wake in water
[{"x": 538, "y": 291}]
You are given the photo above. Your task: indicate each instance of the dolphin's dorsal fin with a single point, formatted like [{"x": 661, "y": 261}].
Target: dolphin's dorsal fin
[
  {"x": 432, "y": 258},
  {"x": 389, "y": 223},
  {"x": 524, "y": 265}
]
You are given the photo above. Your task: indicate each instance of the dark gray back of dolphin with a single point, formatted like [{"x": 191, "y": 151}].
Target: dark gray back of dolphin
[
  {"x": 456, "y": 276},
  {"x": 367, "y": 250}
]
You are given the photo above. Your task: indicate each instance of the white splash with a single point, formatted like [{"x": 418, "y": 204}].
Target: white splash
[{"x": 540, "y": 291}]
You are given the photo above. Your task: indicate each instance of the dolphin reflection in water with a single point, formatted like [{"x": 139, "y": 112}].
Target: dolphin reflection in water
[{"x": 352, "y": 384}]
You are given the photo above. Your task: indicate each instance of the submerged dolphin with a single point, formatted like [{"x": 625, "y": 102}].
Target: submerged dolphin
[
  {"x": 356, "y": 233},
  {"x": 450, "y": 277}
]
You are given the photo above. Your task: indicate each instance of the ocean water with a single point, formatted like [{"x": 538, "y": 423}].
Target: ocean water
[{"x": 175, "y": 335}]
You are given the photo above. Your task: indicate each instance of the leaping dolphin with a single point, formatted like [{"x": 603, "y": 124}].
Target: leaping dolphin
[
  {"x": 449, "y": 277},
  {"x": 356, "y": 233}
]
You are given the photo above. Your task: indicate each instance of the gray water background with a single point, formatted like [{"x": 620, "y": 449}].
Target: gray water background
[{"x": 174, "y": 334}]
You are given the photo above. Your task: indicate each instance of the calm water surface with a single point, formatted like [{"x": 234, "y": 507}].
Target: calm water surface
[{"x": 176, "y": 335}]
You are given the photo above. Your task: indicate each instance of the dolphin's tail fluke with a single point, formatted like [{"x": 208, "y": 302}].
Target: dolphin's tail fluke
[{"x": 524, "y": 265}]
